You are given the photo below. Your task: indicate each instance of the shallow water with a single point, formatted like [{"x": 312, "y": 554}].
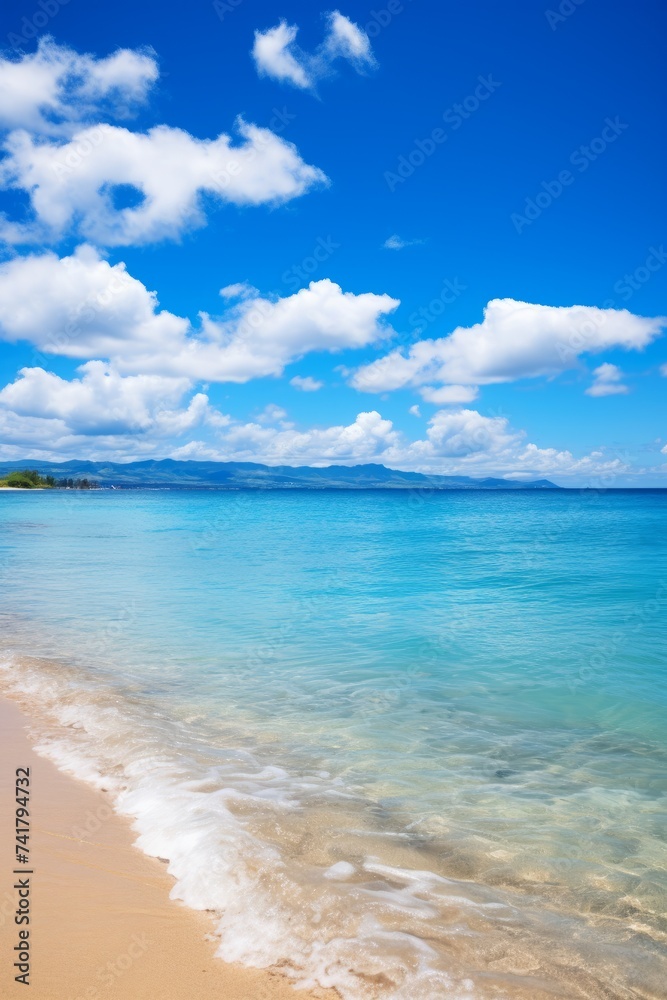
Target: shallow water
[{"x": 405, "y": 744}]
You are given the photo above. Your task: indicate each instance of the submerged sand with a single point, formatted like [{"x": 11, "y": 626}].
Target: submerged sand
[{"x": 101, "y": 922}]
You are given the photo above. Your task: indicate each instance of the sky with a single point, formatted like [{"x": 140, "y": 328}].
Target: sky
[{"x": 427, "y": 235}]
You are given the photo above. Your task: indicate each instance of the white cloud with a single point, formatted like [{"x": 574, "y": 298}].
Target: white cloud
[
  {"x": 273, "y": 414},
  {"x": 466, "y": 433},
  {"x": 105, "y": 183},
  {"x": 363, "y": 440},
  {"x": 101, "y": 414},
  {"x": 449, "y": 394},
  {"x": 260, "y": 336},
  {"x": 395, "y": 242},
  {"x": 607, "y": 381},
  {"x": 415, "y": 411},
  {"x": 239, "y": 290},
  {"x": 129, "y": 404},
  {"x": 465, "y": 442},
  {"x": 306, "y": 383},
  {"x": 273, "y": 56},
  {"x": 102, "y": 403},
  {"x": 462, "y": 442},
  {"x": 71, "y": 183},
  {"x": 54, "y": 87},
  {"x": 277, "y": 55},
  {"x": 104, "y": 415},
  {"x": 515, "y": 340},
  {"x": 83, "y": 307},
  {"x": 346, "y": 39}
]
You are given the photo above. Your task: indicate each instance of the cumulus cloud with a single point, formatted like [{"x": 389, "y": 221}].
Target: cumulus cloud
[
  {"x": 461, "y": 442},
  {"x": 85, "y": 177},
  {"x": 102, "y": 414},
  {"x": 515, "y": 340},
  {"x": 277, "y": 54},
  {"x": 260, "y": 336},
  {"x": 102, "y": 404},
  {"x": 73, "y": 184},
  {"x": 83, "y": 307},
  {"x": 464, "y": 433},
  {"x": 306, "y": 383},
  {"x": 54, "y": 87},
  {"x": 365, "y": 439},
  {"x": 607, "y": 381},
  {"x": 467, "y": 442}
]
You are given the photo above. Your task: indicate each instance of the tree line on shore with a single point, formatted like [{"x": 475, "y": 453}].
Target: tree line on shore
[{"x": 30, "y": 479}]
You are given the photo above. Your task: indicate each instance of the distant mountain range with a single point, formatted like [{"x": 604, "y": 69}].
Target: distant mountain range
[{"x": 248, "y": 475}]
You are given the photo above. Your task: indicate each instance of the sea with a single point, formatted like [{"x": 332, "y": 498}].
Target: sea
[{"x": 402, "y": 743}]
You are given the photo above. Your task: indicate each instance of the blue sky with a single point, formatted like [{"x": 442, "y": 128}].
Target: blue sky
[{"x": 425, "y": 161}]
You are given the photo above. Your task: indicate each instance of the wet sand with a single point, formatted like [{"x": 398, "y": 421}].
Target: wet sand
[{"x": 101, "y": 921}]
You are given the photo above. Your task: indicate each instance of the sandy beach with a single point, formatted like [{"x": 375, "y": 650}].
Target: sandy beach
[{"x": 101, "y": 921}]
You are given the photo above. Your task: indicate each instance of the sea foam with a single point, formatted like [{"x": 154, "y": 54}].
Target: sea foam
[{"x": 229, "y": 825}]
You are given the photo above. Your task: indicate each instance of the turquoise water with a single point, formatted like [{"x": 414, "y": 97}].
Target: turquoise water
[{"x": 404, "y": 744}]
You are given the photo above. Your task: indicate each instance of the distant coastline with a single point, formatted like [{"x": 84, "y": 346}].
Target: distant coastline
[{"x": 169, "y": 473}]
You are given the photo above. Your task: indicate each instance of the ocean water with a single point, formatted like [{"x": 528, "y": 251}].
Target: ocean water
[{"x": 404, "y": 744}]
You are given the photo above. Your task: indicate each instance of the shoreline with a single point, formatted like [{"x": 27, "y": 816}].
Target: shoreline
[{"x": 102, "y": 924}]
